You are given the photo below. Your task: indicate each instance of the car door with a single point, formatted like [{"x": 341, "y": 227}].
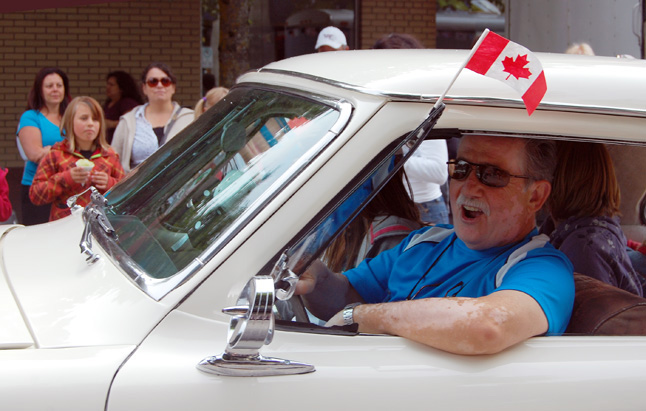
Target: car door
[{"x": 350, "y": 370}]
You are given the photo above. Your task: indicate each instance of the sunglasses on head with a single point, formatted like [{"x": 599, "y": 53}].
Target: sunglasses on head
[
  {"x": 153, "y": 81},
  {"x": 487, "y": 174}
]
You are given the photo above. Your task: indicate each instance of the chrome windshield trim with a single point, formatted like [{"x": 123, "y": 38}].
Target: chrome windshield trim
[
  {"x": 157, "y": 288},
  {"x": 466, "y": 100},
  {"x": 345, "y": 112}
]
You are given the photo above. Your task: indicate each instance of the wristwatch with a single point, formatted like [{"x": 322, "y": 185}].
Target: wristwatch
[{"x": 348, "y": 310}]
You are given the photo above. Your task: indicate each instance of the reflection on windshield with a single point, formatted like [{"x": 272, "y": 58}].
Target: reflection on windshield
[{"x": 219, "y": 169}]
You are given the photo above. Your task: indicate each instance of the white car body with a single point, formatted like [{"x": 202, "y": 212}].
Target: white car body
[{"x": 79, "y": 336}]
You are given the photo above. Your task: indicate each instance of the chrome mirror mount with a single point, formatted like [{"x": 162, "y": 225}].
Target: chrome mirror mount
[
  {"x": 251, "y": 327},
  {"x": 93, "y": 212}
]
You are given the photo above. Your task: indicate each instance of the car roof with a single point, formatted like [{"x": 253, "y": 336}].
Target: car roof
[{"x": 597, "y": 83}]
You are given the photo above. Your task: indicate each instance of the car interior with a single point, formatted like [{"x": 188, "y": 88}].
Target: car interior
[{"x": 599, "y": 308}]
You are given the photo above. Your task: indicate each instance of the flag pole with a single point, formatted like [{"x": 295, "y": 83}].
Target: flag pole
[{"x": 473, "y": 51}]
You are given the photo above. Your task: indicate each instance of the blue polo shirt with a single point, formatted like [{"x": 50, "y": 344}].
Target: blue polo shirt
[{"x": 449, "y": 268}]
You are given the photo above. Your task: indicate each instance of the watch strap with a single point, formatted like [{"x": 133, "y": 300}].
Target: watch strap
[{"x": 348, "y": 311}]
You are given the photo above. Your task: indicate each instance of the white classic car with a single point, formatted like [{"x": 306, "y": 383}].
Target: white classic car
[{"x": 175, "y": 291}]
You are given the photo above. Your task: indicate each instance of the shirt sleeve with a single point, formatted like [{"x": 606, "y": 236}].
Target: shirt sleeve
[
  {"x": 116, "y": 170},
  {"x": 49, "y": 183},
  {"x": 119, "y": 139},
  {"x": 546, "y": 276},
  {"x": 370, "y": 277},
  {"x": 28, "y": 119}
]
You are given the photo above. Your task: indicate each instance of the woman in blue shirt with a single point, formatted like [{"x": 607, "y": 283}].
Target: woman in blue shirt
[{"x": 38, "y": 130}]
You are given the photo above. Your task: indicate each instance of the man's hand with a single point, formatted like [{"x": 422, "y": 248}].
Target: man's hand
[
  {"x": 325, "y": 292},
  {"x": 337, "y": 319},
  {"x": 306, "y": 283}
]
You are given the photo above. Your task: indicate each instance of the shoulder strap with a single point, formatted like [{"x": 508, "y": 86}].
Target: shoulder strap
[
  {"x": 519, "y": 254},
  {"x": 433, "y": 235}
]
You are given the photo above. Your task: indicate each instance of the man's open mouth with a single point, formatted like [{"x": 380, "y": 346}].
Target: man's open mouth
[{"x": 470, "y": 212}]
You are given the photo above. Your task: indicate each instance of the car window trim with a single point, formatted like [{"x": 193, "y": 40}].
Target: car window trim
[{"x": 157, "y": 288}]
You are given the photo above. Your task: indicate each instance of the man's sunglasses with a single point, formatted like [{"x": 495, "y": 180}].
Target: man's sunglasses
[
  {"x": 488, "y": 175},
  {"x": 153, "y": 81}
]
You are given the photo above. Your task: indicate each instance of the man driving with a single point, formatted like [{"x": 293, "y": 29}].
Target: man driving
[{"x": 483, "y": 285}]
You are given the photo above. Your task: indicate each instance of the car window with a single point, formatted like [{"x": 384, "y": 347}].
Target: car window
[
  {"x": 345, "y": 210},
  {"x": 196, "y": 191},
  {"x": 587, "y": 315}
]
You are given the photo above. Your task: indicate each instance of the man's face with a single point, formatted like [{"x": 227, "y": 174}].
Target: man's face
[{"x": 484, "y": 216}]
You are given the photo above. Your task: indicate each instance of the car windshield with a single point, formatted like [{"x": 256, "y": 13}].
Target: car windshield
[{"x": 200, "y": 188}]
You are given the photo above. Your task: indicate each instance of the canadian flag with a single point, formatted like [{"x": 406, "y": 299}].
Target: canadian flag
[{"x": 511, "y": 63}]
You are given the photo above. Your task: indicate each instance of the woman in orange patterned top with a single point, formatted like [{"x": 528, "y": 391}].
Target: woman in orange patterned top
[{"x": 84, "y": 158}]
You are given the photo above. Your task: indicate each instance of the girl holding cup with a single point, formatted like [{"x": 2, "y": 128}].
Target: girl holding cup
[{"x": 82, "y": 159}]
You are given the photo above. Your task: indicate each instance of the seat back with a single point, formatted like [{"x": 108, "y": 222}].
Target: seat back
[{"x": 601, "y": 309}]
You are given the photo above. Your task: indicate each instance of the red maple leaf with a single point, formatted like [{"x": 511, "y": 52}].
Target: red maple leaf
[{"x": 517, "y": 67}]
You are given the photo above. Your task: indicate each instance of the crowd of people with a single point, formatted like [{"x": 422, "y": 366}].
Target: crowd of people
[
  {"x": 485, "y": 249},
  {"x": 69, "y": 144}
]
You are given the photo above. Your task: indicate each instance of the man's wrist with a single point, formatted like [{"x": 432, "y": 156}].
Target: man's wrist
[{"x": 348, "y": 314}]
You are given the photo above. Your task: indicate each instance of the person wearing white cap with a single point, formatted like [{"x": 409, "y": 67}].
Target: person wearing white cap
[{"x": 331, "y": 39}]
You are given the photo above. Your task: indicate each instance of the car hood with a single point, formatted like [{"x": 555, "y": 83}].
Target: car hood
[
  {"x": 13, "y": 332},
  {"x": 52, "y": 298}
]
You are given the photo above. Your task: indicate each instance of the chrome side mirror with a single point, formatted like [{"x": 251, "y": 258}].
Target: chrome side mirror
[{"x": 251, "y": 327}]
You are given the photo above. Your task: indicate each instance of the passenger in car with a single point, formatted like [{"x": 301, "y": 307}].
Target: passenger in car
[
  {"x": 584, "y": 209},
  {"x": 481, "y": 286},
  {"x": 385, "y": 221}
]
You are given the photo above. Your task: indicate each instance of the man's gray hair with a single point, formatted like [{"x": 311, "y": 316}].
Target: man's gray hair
[{"x": 540, "y": 158}]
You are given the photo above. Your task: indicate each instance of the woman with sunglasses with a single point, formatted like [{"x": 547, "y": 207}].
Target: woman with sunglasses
[{"x": 144, "y": 129}]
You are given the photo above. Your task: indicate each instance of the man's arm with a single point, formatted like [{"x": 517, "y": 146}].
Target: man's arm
[
  {"x": 325, "y": 292},
  {"x": 470, "y": 326}
]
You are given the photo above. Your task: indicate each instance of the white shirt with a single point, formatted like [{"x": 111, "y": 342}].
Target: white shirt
[{"x": 427, "y": 170}]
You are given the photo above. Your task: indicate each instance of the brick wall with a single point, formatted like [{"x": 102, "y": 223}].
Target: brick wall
[
  {"x": 89, "y": 41},
  {"x": 415, "y": 17}
]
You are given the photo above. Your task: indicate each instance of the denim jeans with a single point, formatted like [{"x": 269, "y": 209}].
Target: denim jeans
[{"x": 434, "y": 211}]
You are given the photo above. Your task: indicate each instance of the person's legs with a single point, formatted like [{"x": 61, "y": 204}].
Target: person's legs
[
  {"x": 32, "y": 214},
  {"x": 434, "y": 211}
]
